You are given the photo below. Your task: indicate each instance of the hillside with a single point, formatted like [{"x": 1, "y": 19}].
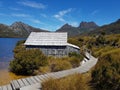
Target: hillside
[
  {"x": 17, "y": 29},
  {"x": 6, "y": 31},
  {"x": 113, "y": 28},
  {"x": 107, "y": 49},
  {"x": 73, "y": 31}
]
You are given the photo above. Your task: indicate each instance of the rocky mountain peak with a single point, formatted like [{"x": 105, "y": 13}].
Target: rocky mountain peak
[
  {"x": 18, "y": 25},
  {"x": 66, "y": 26},
  {"x": 22, "y": 27},
  {"x": 88, "y": 25},
  {"x": 118, "y": 21}
]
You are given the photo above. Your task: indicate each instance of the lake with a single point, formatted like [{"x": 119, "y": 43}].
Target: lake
[
  {"x": 6, "y": 55},
  {"x": 6, "y": 51}
]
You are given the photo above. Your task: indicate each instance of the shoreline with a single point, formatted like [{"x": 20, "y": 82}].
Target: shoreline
[{"x": 6, "y": 76}]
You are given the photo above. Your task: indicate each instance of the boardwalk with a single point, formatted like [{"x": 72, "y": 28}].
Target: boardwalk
[{"x": 34, "y": 82}]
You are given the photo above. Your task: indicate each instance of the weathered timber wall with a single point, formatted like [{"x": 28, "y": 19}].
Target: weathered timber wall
[{"x": 57, "y": 51}]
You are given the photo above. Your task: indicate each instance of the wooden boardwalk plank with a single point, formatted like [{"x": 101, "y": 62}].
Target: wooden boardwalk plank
[
  {"x": 9, "y": 87},
  {"x": 36, "y": 86},
  {"x": 16, "y": 85},
  {"x": 30, "y": 81},
  {"x": 56, "y": 76},
  {"x": 12, "y": 85},
  {"x": 50, "y": 75},
  {"x": 42, "y": 77},
  {"x": 34, "y": 80},
  {"x": 38, "y": 79},
  {"x": 47, "y": 76},
  {"x": 21, "y": 83},
  {"x": 4, "y": 87},
  {"x": 25, "y": 82},
  {"x": 59, "y": 74}
]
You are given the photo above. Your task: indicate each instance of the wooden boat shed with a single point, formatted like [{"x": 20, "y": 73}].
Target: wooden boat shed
[{"x": 51, "y": 43}]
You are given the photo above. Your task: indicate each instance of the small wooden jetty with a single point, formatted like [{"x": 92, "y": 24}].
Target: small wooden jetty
[{"x": 34, "y": 82}]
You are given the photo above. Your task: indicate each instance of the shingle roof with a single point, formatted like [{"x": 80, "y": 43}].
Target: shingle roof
[{"x": 47, "y": 38}]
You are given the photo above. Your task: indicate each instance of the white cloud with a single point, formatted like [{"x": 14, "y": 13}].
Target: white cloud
[
  {"x": 32, "y": 4},
  {"x": 20, "y": 15},
  {"x": 61, "y": 14},
  {"x": 35, "y": 21}
]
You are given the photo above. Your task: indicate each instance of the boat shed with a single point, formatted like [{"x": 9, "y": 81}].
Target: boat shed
[{"x": 51, "y": 43}]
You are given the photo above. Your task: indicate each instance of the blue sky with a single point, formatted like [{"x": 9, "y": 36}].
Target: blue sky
[{"x": 52, "y": 14}]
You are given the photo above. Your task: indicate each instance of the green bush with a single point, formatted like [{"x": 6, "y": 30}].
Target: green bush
[
  {"x": 20, "y": 42},
  {"x": 26, "y": 61}
]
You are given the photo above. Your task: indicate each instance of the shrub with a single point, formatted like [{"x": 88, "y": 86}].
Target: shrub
[
  {"x": 26, "y": 61},
  {"x": 44, "y": 69},
  {"x": 60, "y": 65},
  {"x": 75, "y": 62},
  {"x": 106, "y": 75},
  {"x": 71, "y": 54},
  {"x": 64, "y": 62},
  {"x": 75, "y": 59},
  {"x": 20, "y": 42}
]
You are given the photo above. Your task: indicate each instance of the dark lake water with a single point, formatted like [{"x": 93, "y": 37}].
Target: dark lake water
[{"x": 6, "y": 50}]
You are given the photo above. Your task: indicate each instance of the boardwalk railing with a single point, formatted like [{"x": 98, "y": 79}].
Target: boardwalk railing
[{"x": 34, "y": 82}]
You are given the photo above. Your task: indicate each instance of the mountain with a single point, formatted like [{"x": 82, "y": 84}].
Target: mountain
[
  {"x": 113, "y": 28},
  {"x": 73, "y": 31},
  {"x": 18, "y": 29},
  {"x": 87, "y": 26},
  {"x": 6, "y": 31}
]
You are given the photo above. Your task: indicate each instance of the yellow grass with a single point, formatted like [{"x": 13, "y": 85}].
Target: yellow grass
[
  {"x": 72, "y": 82},
  {"x": 6, "y": 77}
]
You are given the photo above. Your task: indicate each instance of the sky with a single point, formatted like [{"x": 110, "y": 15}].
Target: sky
[{"x": 52, "y": 14}]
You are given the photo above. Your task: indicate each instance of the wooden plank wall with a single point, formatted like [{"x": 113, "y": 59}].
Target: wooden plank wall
[{"x": 58, "y": 51}]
